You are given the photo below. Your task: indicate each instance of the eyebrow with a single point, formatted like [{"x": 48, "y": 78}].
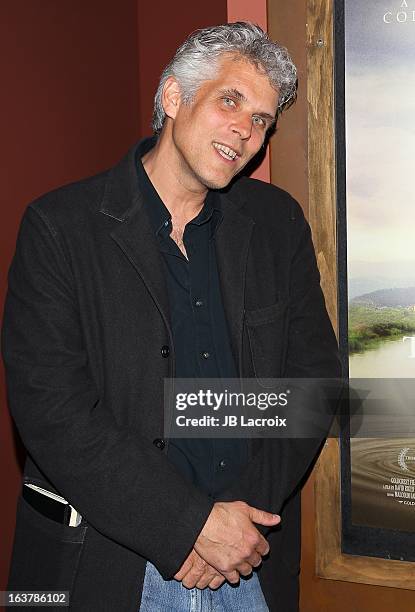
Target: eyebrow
[{"x": 240, "y": 96}]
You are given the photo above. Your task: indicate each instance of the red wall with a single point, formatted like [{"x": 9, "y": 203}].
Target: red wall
[
  {"x": 247, "y": 10},
  {"x": 162, "y": 27},
  {"x": 78, "y": 79},
  {"x": 69, "y": 106}
]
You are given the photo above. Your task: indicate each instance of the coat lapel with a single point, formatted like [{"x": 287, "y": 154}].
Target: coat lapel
[
  {"x": 133, "y": 232},
  {"x": 232, "y": 246},
  {"x": 137, "y": 241}
]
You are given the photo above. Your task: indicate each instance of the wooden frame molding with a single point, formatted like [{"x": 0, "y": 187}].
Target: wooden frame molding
[{"x": 331, "y": 563}]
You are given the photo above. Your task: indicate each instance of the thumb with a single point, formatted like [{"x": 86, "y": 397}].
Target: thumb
[{"x": 261, "y": 517}]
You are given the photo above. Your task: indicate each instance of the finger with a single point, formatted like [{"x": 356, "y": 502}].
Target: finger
[
  {"x": 195, "y": 573},
  {"x": 232, "y": 577},
  {"x": 245, "y": 569},
  {"x": 216, "y": 582},
  {"x": 187, "y": 565},
  {"x": 203, "y": 582},
  {"x": 261, "y": 517},
  {"x": 207, "y": 578},
  {"x": 262, "y": 547},
  {"x": 191, "y": 579},
  {"x": 254, "y": 560}
]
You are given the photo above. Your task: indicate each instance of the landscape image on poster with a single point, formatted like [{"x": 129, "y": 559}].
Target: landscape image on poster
[{"x": 380, "y": 197}]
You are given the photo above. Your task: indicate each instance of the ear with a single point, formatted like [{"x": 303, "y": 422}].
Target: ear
[{"x": 171, "y": 97}]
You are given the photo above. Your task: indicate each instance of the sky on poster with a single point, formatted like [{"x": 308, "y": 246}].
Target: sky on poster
[{"x": 380, "y": 141}]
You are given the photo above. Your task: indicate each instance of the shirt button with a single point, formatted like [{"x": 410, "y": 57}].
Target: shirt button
[
  {"x": 205, "y": 355},
  {"x": 199, "y": 303},
  {"x": 222, "y": 463},
  {"x": 165, "y": 351}
]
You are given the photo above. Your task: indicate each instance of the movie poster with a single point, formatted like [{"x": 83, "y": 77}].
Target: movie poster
[{"x": 380, "y": 197}]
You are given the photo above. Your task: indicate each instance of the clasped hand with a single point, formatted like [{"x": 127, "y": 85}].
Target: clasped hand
[{"x": 228, "y": 546}]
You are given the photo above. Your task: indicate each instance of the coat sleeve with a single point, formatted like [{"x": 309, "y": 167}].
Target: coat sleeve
[
  {"x": 120, "y": 483},
  {"x": 276, "y": 470}
]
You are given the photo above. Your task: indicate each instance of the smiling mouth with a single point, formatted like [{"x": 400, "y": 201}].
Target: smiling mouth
[{"x": 226, "y": 152}]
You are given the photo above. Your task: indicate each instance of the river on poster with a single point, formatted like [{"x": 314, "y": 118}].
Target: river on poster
[{"x": 380, "y": 192}]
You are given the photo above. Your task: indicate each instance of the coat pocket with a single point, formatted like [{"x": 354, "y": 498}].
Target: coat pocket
[
  {"x": 45, "y": 553},
  {"x": 267, "y": 327}
]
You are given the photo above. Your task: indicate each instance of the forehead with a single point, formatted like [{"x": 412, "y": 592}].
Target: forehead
[
  {"x": 233, "y": 63},
  {"x": 236, "y": 72}
]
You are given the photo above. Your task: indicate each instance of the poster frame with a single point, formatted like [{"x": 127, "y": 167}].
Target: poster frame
[
  {"x": 356, "y": 539},
  {"x": 335, "y": 556}
]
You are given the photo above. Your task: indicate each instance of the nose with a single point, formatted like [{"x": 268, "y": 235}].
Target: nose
[{"x": 243, "y": 126}]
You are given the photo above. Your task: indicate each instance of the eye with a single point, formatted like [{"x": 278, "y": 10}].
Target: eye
[
  {"x": 228, "y": 101},
  {"x": 259, "y": 121}
]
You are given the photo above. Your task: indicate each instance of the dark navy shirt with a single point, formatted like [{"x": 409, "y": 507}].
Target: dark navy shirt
[{"x": 200, "y": 333}]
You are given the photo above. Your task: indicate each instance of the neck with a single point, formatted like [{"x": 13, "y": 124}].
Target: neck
[{"x": 182, "y": 196}]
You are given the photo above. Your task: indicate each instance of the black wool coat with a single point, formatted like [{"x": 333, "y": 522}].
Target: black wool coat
[{"x": 85, "y": 318}]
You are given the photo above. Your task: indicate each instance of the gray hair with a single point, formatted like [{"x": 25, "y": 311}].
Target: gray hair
[{"x": 196, "y": 61}]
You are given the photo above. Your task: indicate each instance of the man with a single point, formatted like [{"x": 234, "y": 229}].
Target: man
[{"x": 165, "y": 266}]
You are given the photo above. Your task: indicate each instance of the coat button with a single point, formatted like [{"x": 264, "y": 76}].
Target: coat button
[
  {"x": 159, "y": 443},
  {"x": 165, "y": 351}
]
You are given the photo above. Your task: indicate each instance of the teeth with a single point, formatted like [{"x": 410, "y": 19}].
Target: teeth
[{"x": 226, "y": 152}]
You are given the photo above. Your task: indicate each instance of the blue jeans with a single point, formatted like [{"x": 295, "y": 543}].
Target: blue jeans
[{"x": 161, "y": 595}]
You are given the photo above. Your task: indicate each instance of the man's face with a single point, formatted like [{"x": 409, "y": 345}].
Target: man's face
[{"x": 225, "y": 125}]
